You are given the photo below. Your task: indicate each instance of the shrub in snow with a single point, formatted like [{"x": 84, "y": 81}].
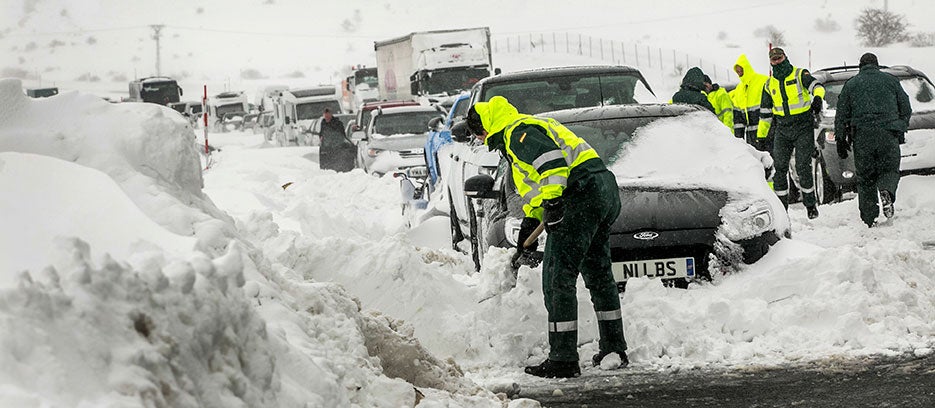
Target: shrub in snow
[
  {"x": 771, "y": 34},
  {"x": 920, "y": 40},
  {"x": 826, "y": 25},
  {"x": 879, "y": 28}
]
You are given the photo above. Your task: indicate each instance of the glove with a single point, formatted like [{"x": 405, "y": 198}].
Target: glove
[
  {"x": 528, "y": 225},
  {"x": 553, "y": 211},
  {"x": 816, "y": 105},
  {"x": 842, "y": 149}
]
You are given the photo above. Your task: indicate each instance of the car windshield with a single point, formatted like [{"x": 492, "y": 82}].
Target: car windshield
[
  {"x": 225, "y": 109},
  {"x": 401, "y": 123},
  {"x": 921, "y": 93},
  {"x": 366, "y": 76},
  {"x": 196, "y": 108},
  {"x": 314, "y": 110},
  {"x": 461, "y": 109},
  {"x": 609, "y": 136},
  {"x": 573, "y": 91},
  {"x": 454, "y": 81}
]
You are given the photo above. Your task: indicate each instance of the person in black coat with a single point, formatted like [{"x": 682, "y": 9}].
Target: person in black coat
[{"x": 335, "y": 151}]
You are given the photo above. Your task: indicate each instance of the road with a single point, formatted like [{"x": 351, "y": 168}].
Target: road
[{"x": 874, "y": 382}]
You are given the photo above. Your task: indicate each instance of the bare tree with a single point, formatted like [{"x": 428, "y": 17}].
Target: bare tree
[
  {"x": 775, "y": 36},
  {"x": 878, "y": 28}
]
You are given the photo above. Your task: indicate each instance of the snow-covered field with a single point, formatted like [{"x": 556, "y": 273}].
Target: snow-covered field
[{"x": 131, "y": 275}]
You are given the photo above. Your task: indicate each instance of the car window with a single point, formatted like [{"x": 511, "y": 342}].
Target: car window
[
  {"x": 313, "y": 110},
  {"x": 573, "y": 91},
  {"x": 461, "y": 109},
  {"x": 409, "y": 122}
]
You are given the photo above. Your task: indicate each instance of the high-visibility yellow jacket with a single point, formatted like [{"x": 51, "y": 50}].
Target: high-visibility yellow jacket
[
  {"x": 723, "y": 107},
  {"x": 788, "y": 93},
  {"x": 542, "y": 152},
  {"x": 747, "y": 96}
]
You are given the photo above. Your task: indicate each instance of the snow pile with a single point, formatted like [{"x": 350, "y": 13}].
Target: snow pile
[{"x": 125, "y": 285}]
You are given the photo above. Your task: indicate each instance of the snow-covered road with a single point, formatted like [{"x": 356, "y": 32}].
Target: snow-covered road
[{"x": 835, "y": 289}]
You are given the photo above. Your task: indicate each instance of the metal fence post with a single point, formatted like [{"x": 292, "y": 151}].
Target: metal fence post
[{"x": 636, "y": 52}]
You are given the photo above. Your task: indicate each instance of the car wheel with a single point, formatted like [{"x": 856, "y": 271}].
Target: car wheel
[
  {"x": 456, "y": 235},
  {"x": 826, "y": 191},
  {"x": 478, "y": 243}
]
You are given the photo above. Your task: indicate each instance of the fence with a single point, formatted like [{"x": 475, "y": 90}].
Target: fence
[{"x": 669, "y": 62}]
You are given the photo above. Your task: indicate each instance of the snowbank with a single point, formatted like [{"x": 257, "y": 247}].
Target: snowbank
[{"x": 125, "y": 285}]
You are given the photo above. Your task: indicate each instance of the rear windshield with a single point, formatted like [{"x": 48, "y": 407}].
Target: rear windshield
[
  {"x": 571, "y": 91},
  {"x": 921, "y": 93},
  {"x": 410, "y": 122}
]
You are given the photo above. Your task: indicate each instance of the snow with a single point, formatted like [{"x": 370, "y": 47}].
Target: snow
[{"x": 134, "y": 276}]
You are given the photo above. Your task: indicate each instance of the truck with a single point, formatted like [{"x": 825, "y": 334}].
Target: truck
[
  {"x": 432, "y": 64},
  {"x": 160, "y": 90},
  {"x": 361, "y": 87}
]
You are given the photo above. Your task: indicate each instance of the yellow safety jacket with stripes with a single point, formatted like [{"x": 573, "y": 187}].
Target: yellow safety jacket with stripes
[
  {"x": 789, "y": 97},
  {"x": 723, "y": 107},
  {"x": 541, "y": 151},
  {"x": 747, "y": 96}
]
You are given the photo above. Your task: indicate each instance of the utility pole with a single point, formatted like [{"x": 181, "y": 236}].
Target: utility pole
[{"x": 157, "y": 28}]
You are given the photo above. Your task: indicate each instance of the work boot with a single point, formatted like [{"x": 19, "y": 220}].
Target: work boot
[
  {"x": 597, "y": 358},
  {"x": 887, "y": 200},
  {"x": 812, "y": 212},
  {"x": 555, "y": 369}
]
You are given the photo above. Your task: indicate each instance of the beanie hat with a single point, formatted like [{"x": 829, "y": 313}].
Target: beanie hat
[{"x": 868, "y": 58}]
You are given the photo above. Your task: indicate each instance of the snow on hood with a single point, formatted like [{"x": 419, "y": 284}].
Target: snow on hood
[
  {"x": 696, "y": 151},
  {"x": 149, "y": 296}
]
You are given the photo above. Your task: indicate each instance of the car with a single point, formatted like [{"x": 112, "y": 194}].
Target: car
[
  {"x": 192, "y": 110},
  {"x": 532, "y": 92},
  {"x": 362, "y": 119},
  {"x": 694, "y": 200},
  {"x": 231, "y": 121},
  {"x": 395, "y": 140},
  {"x": 250, "y": 121},
  {"x": 834, "y": 175}
]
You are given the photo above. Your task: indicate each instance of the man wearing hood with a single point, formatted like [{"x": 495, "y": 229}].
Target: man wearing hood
[
  {"x": 691, "y": 90},
  {"x": 746, "y": 97},
  {"x": 873, "y": 112},
  {"x": 566, "y": 187},
  {"x": 790, "y": 101}
]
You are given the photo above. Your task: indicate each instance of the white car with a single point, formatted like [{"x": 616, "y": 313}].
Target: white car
[{"x": 395, "y": 139}]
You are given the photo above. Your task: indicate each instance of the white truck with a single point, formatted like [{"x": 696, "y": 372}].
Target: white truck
[{"x": 432, "y": 64}]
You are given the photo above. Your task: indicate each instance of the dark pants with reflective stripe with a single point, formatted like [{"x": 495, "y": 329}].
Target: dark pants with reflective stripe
[
  {"x": 581, "y": 244},
  {"x": 876, "y": 159},
  {"x": 794, "y": 134}
]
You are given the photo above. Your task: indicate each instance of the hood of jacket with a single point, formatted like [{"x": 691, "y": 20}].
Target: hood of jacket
[
  {"x": 694, "y": 79},
  {"x": 496, "y": 115},
  {"x": 748, "y": 72}
]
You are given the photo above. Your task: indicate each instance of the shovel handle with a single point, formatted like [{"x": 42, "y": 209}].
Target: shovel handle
[{"x": 534, "y": 236}]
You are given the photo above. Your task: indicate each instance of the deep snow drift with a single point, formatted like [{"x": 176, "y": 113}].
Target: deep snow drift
[{"x": 123, "y": 284}]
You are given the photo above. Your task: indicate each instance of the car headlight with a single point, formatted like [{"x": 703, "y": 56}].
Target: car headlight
[
  {"x": 374, "y": 152},
  {"x": 746, "y": 219},
  {"x": 511, "y": 229}
]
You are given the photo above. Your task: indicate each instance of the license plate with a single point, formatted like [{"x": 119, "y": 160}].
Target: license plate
[{"x": 654, "y": 268}]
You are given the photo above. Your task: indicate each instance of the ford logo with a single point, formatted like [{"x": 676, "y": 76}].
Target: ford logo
[{"x": 646, "y": 236}]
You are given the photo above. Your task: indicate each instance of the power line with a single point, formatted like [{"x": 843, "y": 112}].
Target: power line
[
  {"x": 79, "y": 31},
  {"x": 270, "y": 34}
]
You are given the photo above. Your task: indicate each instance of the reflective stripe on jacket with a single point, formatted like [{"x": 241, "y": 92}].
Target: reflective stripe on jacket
[
  {"x": 546, "y": 176},
  {"x": 723, "y": 107},
  {"x": 787, "y": 98}
]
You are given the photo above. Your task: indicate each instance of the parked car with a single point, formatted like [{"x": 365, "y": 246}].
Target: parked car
[
  {"x": 231, "y": 121},
  {"x": 532, "y": 92},
  {"x": 694, "y": 199},
  {"x": 395, "y": 139},
  {"x": 362, "y": 119},
  {"x": 249, "y": 121},
  {"x": 834, "y": 175}
]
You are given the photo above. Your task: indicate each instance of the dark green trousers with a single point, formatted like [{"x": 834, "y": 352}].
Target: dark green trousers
[
  {"x": 876, "y": 159},
  {"x": 580, "y": 244},
  {"x": 794, "y": 134}
]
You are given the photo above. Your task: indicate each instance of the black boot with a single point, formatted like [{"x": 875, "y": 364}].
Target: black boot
[
  {"x": 887, "y": 200},
  {"x": 555, "y": 369},
  {"x": 597, "y": 358},
  {"x": 812, "y": 212}
]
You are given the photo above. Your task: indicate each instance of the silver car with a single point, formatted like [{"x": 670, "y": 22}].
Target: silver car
[{"x": 395, "y": 139}]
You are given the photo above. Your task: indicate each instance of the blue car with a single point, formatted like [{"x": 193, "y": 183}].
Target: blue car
[{"x": 442, "y": 136}]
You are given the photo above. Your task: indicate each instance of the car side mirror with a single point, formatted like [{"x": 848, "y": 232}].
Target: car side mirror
[
  {"x": 459, "y": 132},
  {"x": 480, "y": 186},
  {"x": 435, "y": 124},
  {"x": 180, "y": 92}
]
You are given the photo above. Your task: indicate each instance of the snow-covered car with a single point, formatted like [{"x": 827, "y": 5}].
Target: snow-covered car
[
  {"x": 395, "y": 140},
  {"x": 695, "y": 200},
  {"x": 834, "y": 175}
]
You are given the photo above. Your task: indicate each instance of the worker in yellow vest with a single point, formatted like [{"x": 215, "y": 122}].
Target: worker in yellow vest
[{"x": 791, "y": 99}]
